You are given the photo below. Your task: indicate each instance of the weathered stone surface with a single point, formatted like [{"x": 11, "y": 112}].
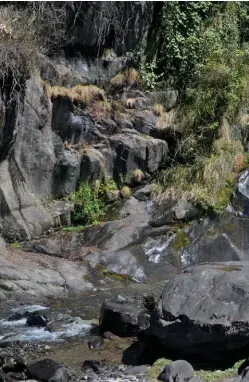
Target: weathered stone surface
[
  {"x": 131, "y": 24},
  {"x": 166, "y": 212},
  {"x": 31, "y": 275},
  {"x": 61, "y": 213},
  {"x": 202, "y": 310},
  {"x": 223, "y": 237},
  {"x": 145, "y": 193},
  {"x": 177, "y": 368},
  {"x": 22, "y": 215},
  {"x": 71, "y": 123},
  {"x": 137, "y": 151},
  {"x": 66, "y": 173},
  {"x": 167, "y": 98}
]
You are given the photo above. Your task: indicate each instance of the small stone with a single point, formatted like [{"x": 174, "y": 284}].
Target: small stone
[{"x": 110, "y": 336}]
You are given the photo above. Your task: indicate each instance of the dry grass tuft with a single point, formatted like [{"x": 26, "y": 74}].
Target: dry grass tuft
[
  {"x": 130, "y": 103},
  {"x": 25, "y": 33},
  {"x": 79, "y": 93},
  {"x": 158, "y": 109},
  {"x": 130, "y": 77},
  {"x": 101, "y": 109},
  {"x": 208, "y": 182},
  {"x": 166, "y": 120},
  {"x": 137, "y": 175},
  {"x": 125, "y": 192}
]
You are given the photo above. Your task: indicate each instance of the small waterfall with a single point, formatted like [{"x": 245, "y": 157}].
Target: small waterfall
[{"x": 157, "y": 250}]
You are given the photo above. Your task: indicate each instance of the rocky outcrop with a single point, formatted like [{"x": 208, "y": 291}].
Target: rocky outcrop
[
  {"x": 99, "y": 25},
  {"x": 51, "y": 147},
  {"x": 135, "y": 151},
  {"x": 122, "y": 246},
  {"x": 28, "y": 276},
  {"x": 203, "y": 313},
  {"x": 222, "y": 237}
]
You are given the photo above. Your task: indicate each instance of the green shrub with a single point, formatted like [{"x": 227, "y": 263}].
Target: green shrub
[
  {"x": 89, "y": 208},
  {"x": 107, "y": 187},
  {"x": 149, "y": 79}
]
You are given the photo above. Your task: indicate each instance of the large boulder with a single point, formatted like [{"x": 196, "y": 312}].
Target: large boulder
[
  {"x": 177, "y": 368},
  {"x": 138, "y": 152},
  {"x": 48, "y": 370},
  {"x": 123, "y": 318},
  {"x": 203, "y": 313},
  {"x": 25, "y": 276}
]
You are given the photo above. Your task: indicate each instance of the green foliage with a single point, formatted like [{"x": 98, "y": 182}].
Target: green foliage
[
  {"x": 147, "y": 72},
  {"x": 200, "y": 52},
  {"x": 16, "y": 245},
  {"x": 89, "y": 208},
  {"x": 181, "y": 43},
  {"x": 107, "y": 187},
  {"x": 181, "y": 240},
  {"x": 90, "y": 203},
  {"x": 218, "y": 375}
]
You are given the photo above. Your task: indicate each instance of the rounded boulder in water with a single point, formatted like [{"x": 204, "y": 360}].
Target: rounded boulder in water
[
  {"x": 175, "y": 368},
  {"x": 37, "y": 320}
]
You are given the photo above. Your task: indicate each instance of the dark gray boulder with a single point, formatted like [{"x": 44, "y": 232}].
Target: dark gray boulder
[
  {"x": 223, "y": 237},
  {"x": 175, "y": 368},
  {"x": 45, "y": 370},
  {"x": 121, "y": 319},
  {"x": 203, "y": 313},
  {"x": 138, "y": 152},
  {"x": 37, "y": 320}
]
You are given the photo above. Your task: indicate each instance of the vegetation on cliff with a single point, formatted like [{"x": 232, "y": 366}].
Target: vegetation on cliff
[
  {"x": 202, "y": 50},
  {"x": 198, "y": 48}
]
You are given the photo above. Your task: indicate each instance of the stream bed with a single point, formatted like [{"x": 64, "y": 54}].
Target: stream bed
[{"x": 71, "y": 322}]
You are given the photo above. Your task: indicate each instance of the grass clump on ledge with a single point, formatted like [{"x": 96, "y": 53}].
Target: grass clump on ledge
[
  {"x": 84, "y": 94},
  {"x": 129, "y": 77}
]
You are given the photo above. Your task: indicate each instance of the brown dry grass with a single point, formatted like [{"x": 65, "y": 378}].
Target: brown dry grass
[
  {"x": 167, "y": 120},
  {"x": 100, "y": 109},
  {"x": 158, "y": 109},
  {"x": 137, "y": 175},
  {"x": 84, "y": 94},
  {"x": 128, "y": 77}
]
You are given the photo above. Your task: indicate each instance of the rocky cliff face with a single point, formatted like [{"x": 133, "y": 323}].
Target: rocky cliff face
[{"x": 50, "y": 143}]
